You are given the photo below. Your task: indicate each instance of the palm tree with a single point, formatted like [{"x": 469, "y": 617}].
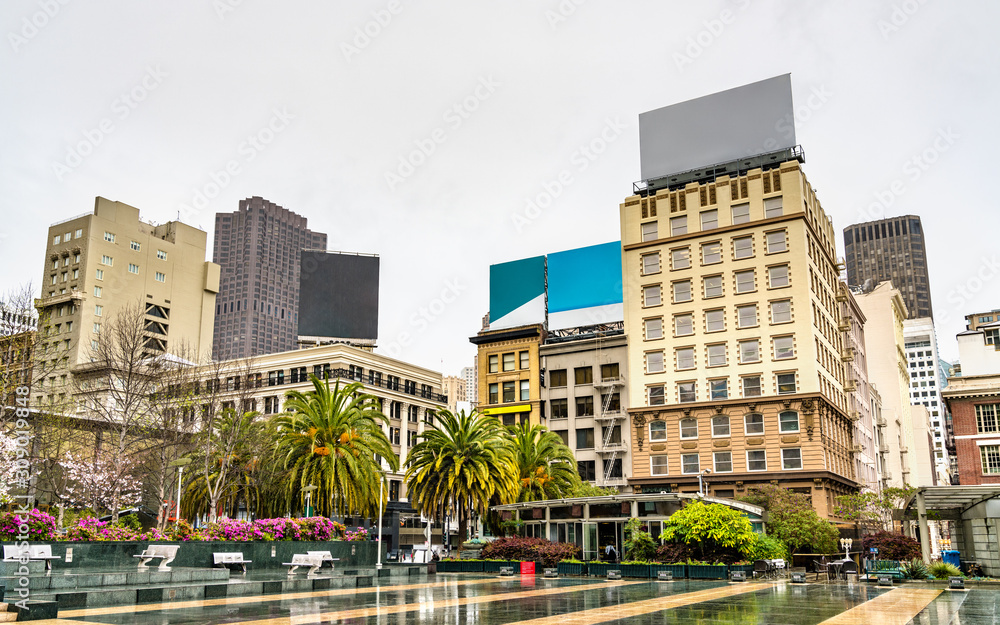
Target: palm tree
[
  {"x": 461, "y": 462},
  {"x": 546, "y": 466},
  {"x": 334, "y": 440}
]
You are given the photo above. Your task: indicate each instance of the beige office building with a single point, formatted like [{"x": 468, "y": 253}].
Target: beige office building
[
  {"x": 736, "y": 347},
  {"x": 454, "y": 388},
  {"x": 859, "y": 401},
  {"x": 99, "y": 262}
]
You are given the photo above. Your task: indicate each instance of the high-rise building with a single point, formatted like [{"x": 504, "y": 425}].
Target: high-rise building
[
  {"x": 454, "y": 388},
  {"x": 891, "y": 249},
  {"x": 97, "y": 263},
  {"x": 469, "y": 375},
  {"x": 258, "y": 248},
  {"x": 926, "y": 384}
]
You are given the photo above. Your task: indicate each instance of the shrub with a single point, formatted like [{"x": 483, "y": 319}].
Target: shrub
[
  {"x": 639, "y": 545},
  {"x": 530, "y": 549},
  {"x": 551, "y": 554},
  {"x": 232, "y": 529},
  {"x": 41, "y": 526},
  {"x": 358, "y": 535},
  {"x": 943, "y": 570},
  {"x": 891, "y": 546},
  {"x": 319, "y": 528},
  {"x": 717, "y": 532},
  {"x": 766, "y": 548},
  {"x": 670, "y": 553},
  {"x": 914, "y": 569},
  {"x": 279, "y": 529}
]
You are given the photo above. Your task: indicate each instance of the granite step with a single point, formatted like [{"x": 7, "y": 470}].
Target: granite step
[
  {"x": 34, "y": 610},
  {"x": 79, "y": 578}
]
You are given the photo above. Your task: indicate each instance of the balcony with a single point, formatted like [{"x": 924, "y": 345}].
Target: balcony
[
  {"x": 887, "y": 475},
  {"x": 854, "y": 415},
  {"x": 857, "y": 449},
  {"x": 850, "y": 386},
  {"x": 610, "y": 382},
  {"x": 73, "y": 297},
  {"x": 844, "y": 325},
  {"x": 611, "y": 415},
  {"x": 612, "y": 448},
  {"x": 883, "y": 448},
  {"x": 614, "y": 481},
  {"x": 847, "y": 355},
  {"x": 841, "y": 295},
  {"x": 880, "y": 421}
]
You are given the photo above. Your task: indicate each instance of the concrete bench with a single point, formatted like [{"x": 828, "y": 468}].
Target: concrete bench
[
  {"x": 11, "y": 553},
  {"x": 231, "y": 558},
  {"x": 324, "y": 556},
  {"x": 164, "y": 553},
  {"x": 304, "y": 559}
]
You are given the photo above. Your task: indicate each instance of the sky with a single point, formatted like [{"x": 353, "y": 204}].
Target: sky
[{"x": 429, "y": 131}]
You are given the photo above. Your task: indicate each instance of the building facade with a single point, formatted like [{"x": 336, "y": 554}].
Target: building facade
[
  {"x": 859, "y": 401},
  {"x": 736, "y": 347},
  {"x": 258, "y": 249},
  {"x": 100, "y": 262},
  {"x": 891, "y": 249},
  {"x": 925, "y": 389},
  {"x": 471, "y": 386},
  {"x": 454, "y": 388},
  {"x": 509, "y": 374}
]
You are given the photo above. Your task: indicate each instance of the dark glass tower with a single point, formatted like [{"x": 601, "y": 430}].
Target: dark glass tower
[
  {"x": 891, "y": 249},
  {"x": 258, "y": 248}
]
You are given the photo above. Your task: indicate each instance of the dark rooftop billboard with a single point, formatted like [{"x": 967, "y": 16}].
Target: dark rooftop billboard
[{"x": 338, "y": 295}]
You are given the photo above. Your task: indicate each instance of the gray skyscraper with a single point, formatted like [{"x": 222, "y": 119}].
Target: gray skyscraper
[
  {"x": 258, "y": 248},
  {"x": 891, "y": 249}
]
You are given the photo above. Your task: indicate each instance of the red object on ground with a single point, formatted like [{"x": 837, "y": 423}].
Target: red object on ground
[{"x": 527, "y": 568}]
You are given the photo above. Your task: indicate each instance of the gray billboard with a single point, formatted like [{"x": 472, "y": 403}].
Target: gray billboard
[
  {"x": 719, "y": 128},
  {"x": 338, "y": 295}
]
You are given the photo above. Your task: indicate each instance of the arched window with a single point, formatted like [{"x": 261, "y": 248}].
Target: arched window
[
  {"x": 657, "y": 431},
  {"x": 788, "y": 421}
]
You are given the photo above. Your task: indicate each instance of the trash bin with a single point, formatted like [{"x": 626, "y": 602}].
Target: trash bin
[{"x": 950, "y": 557}]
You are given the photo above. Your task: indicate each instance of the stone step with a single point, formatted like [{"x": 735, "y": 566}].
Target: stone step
[
  {"x": 35, "y": 610},
  {"x": 89, "y": 578}
]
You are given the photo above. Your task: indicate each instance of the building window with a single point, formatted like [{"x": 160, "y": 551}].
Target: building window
[
  {"x": 746, "y": 316},
  {"x": 685, "y": 358},
  {"x": 715, "y": 320},
  {"x": 680, "y": 258},
  {"x": 76, "y": 274},
  {"x": 720, "y": 426},
  {"x": 559, "y": 408},
  {"x": 525, "y": 360},
  {"x": 650, "y": 263},
  {"x": 133, "y": 268},
  {"x": 494, "y": 393},
  {"x": 743, "y": 247},
  {"x": 749, "y": 351},
  {"x": 791, "y": 459},
  {"x": 717, "y": 355},
  {"x": 741, "y": 213},
  {"x": 656, "y": 395},
  {"x": 494, "y": 363},
  {"x": 583, "y": 375},
  {"x": 777, "y": 277},
  {"x": 651, "y": 295},
  {"x": 610, "y": 371},
  {"x": 684, "y": 325},
  {"x": 508, "y": 361},
  {"x": 711, "y": 253},
  {"x": 719, "y": 389},
  {"x": 585, "y": 406},
  {"x": 710, "y": 220},
  {"x": 653, "y": 328},
  {"x": 776, "y": 242},
  {"x": 751, "y": 386},
  {"x": 990, "y": 455},
  {"x": 712, "y": 286},
  {"x": 723, "y": 461},
  {"x": 98, "y": 291},
  {"x": 788, "y": 421},
  {"x": 745, "y": 281},
  {"x": 508, "y": 393},
  {"x": 587, "y": 470},
  {"x": 557, "y": 378},
  {"x": 781, "y": 311},
  {"x": 686, "y": 392},
  {"x": 135, "y": 246},
  {"x": 161, "y": 255},
  {"x": 678, "y": 226},
  {"x": 585, "y": 438},
  {"x": 654, "y": 362},
  {"x": 161, "y": 277},
  {"x": 772, "y": 207},
  {"x": 98, "y": 311},
  {"x": 107, "y": 260},
  {"x": 690, "y": 464},
  {"x": 657, "y": 431},
  {"x": 97, "y": 328},
  {"x": 658, "y": 465},
  {"x": 689, "y": 428},
  {"x": 649, "y": 231},
  {"x": 986, "y": 418},
  {"x": 525, "y": 390},
  {"x": 786, "y": 383},
  {"x": 784, "y": 347},
  {"x": 682, "y": 291},
  {"x": 109, "y": 237},
  {"x": 756, "y": 460},
  {"x": 76, "y": 258},
  {"x": 79, "y": 233},
  {"x": 99, "y": 274},
  {"x": 753, "y": 424}
]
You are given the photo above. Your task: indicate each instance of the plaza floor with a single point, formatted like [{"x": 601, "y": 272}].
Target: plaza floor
[{"x": 475, "y": 598}]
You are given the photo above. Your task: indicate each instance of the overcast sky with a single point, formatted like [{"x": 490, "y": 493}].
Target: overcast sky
[{"x": 323, "y": 108}]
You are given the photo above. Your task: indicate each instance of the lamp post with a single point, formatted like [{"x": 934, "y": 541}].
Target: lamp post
[
  {"x": 378, "y": 548},
  {"x": 308, "y": 490},
  {"x": 846, "y": 543},
  {"x": 701, "y": 482},
  {"x": 180, "y": 463}
]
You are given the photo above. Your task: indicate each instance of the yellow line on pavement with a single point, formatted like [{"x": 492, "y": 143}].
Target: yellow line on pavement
[{"x": 896, "y": 607}]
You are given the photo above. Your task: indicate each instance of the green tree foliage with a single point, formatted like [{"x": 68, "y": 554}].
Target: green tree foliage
[
  {"x": 462, "y": 463},
  {"x": 871, "y": 510},
  {"x": 332, "y": 440},
  {"x": 714, "y": 528},
  {"x": 639, "y": 545},
  {"x": 792, "y": 520},
  {"x": 767, "y": 548},
  {"x": 586, "y": 489},
  {"x": 546, "y": 467}
]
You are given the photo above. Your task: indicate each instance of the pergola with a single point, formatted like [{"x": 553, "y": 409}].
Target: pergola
[{"x": 950, "y": 503}]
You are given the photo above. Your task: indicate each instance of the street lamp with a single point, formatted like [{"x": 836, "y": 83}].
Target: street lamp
[
  {"x": 846, "y": 543},
  {"x": 378, "y": 548},
  {"x": 180, "y": 463},
  {"x": 701, "y": 482},
  {"x": 308, "y": 490}
]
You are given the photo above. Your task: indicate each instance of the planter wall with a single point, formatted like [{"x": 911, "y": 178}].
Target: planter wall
[
  {"x": 635, "y": 570},
  {"x": 679, "y": 570},
  {"x": 600, "y": 569},
  {"x": 462, "y": 566},
  {"x": 493, "y": 566},
  {"x": 709, "y": 571},
  {"x": 746, "y": 568},
  {"x": 571, "y": 568}
]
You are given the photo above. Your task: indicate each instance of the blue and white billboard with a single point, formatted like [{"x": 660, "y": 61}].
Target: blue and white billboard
[
  {"x": 585, "y": 286},
  {"x": 517, "y": 293}
]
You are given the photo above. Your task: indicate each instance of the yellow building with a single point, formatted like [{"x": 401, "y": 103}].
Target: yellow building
[
  {"x": 509, "y": 373},
  {"x": 736, "y": 353}
]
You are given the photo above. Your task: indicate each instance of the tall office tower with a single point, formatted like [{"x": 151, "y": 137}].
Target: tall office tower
[
  {"x": 258, "y": 248},
  {"x": 731, "y": 295},
  {"x": 926, "y": 384},
  {"x": 469, "y": 375},
  {"x": 891, "y": 249},
  {"x": 97, "y": 263}
]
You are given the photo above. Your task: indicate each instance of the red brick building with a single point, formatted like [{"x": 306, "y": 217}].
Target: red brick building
[{"x": 974, "y": 402}]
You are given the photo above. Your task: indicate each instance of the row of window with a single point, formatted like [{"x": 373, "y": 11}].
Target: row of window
[
  {"x": 559, "y": 408},
  {"x": 709, "y": 219},
  {"x": 988, "y": 418},
  {"x": 66, "y": 238},
  {"x": 66, "y": 261},
  {"x": 719, "y": 389},
  {"x": 722, "y": 462},
  {"x": 717, "y": 354},
  {"x": 512, "y": 392},
  {"x": 741, "y": 247},
  {"x": 583, "y": 375},
  {"x": 510, "y": 360},
  {"x": 715, "y": 320},
  {"x": 744, "y": 281},
  {"x": 753, "y": 425}
]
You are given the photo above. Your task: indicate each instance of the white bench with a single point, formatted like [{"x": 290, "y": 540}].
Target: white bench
[
  {"x": 325, "y": 556},
  {"x": 227, "y": 558},
  {"x": 11, "y": 553},
  {"x": 165, "y": 553},
  {"x": 304, "y": 559}
]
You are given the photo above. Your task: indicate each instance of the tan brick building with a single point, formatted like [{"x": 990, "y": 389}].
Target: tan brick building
[{"x": 509, "y": 373}]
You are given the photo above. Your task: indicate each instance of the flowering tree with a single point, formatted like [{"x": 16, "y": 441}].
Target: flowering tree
[
  {"x": 8, "y": 466},
  {"x": 99, "y": 483}
]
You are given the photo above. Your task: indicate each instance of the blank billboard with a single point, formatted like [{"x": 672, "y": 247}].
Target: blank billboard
[
  {"x": 585, "y": 286},
  {"x": 746, "y": 121},
  {"x": 338, "y": 295},
  {"x": 517, "y": 293}
]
